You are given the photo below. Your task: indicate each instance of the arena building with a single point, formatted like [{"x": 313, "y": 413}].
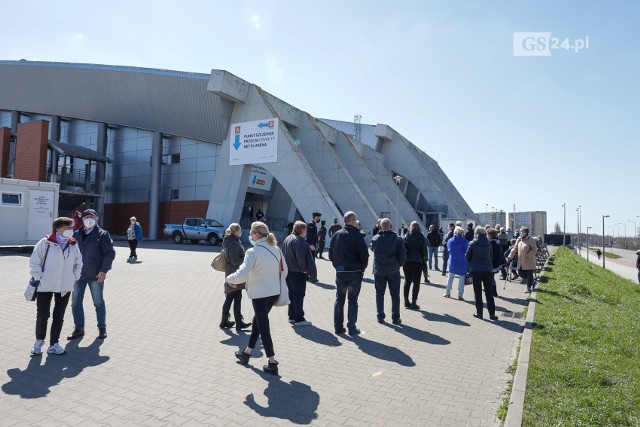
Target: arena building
[{"x": 164, "y": 145}]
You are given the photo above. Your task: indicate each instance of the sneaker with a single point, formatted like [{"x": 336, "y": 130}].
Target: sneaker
[
  {"x": 356, "y": 332},
  {"x": 102, "y": 333},
  {"x": 460, "y": 298},
  {"x": 292, "y": 321},
  {"x": 494, "y": 317},
  {"x": 56, "y": 349},
  {"x": 340, "y": 331},
  {"x": 444, "y": 274},
  {"x": 302, "y": 323},
  {"x": 414, "y": 306},
  {"x": 446, "y": 295},
  {"x": 397, "y": 322},
  {"x": 37, "y": 348},
  {"x": 76, "y": 334}
]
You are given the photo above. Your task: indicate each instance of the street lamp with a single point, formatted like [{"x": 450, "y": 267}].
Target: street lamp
[
  {"x": 625, "y": 233},
  {"x": 635, "y": 228},
  {"x": 579, "y": 226},
  {"x": 603, "y": 253},
  {"x": 564, "y": 224},
  {"x": 588, "y": 243}
]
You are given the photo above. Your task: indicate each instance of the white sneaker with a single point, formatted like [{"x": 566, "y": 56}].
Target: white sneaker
[
  {"x": 56, "y": 349},
  {"x": 37, "y": 348},
  {"x": 303, "y": 323}
]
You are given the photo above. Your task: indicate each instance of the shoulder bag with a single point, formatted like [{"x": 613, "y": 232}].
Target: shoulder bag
[
  {"x": 219, "y": 263},
  {"x": 31, "y": 292},
  {"x": 283, "y": 297}
]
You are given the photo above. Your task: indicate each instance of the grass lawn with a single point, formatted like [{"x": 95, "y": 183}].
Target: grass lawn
[{"x": 584, "y": 366}]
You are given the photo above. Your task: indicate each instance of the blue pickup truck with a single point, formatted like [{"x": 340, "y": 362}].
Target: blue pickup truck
[{"x": 194, "y": 230}]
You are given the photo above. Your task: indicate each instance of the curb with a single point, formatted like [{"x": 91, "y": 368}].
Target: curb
[{"x": 519, "y": 388}]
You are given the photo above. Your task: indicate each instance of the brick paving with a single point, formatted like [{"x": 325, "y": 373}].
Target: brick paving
[{"x": 166, "y": 362}]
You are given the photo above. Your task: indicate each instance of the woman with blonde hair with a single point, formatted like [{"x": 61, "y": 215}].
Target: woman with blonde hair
[
  {"x": 457, "y": 247},
  {"x": 260, "y": 272},
  {"x": 234, "y": 256}
]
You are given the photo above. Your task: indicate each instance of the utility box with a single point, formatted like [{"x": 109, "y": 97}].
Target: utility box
[{"x": 27, "y": 210}]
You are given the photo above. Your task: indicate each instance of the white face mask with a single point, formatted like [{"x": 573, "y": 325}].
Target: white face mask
[
  {"x": 89, "y": 222},
  {"x": 67, "y": 233},
  {"x": 133, "y": 222},
  {"x": 253, "y": 242}
]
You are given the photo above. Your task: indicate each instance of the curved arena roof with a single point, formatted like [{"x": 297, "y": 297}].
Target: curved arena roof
[{"x": 171, "y": 102}]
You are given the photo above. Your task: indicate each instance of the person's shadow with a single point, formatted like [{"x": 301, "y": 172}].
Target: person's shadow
[
  {"x": 382, "y": 351},
  {"x": 324, "y": 285},
  {"x": 418, "y": 334},
  {"x": 295, "y": 401},
  {"x": 445, "y": 318},
  {"x": 317, "y": 335},
  {"x": 37, "y": 380}
]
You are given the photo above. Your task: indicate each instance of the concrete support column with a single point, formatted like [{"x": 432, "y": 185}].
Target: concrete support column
[
  {"x": 101, "y": 147},
  {"x": 15, "y": 121},
  {"x": 54, "y": 132},
  {"x": 156, "y": 177}
]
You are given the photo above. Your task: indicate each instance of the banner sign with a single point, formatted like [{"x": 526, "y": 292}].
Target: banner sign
[
  {"x": 254, "y": 142},
  {"x": 260, "y": 178}
]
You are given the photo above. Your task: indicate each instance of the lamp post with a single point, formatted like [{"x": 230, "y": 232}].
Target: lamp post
[
  {"x": 564, "y": 224},
  {"x": 635, "y": 228},
  {"x": 397, "y": 179},
  {"x": 588, "y": 243},
  {"x": 579, "y": 226},
  {"x": 603, "y": 253},
  {"x": 625, "y": 233}
]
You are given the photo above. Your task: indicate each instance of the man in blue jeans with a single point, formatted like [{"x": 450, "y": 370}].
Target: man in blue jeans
[
  {"x": 389, "y": 254},
  {"x": 349, "y": 255},
  {"x": 98, "y": 254}
]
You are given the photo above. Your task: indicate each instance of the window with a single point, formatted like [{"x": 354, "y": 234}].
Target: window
[
  {"x": 171, "y": 159},
  {"x": 12, "y": 199},
  {"x": 175, "y": 194}
]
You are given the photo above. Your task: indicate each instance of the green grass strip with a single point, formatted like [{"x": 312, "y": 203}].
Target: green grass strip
[
  {"x": 608, "y": 254},
  {"x": 584, "y": 365}
]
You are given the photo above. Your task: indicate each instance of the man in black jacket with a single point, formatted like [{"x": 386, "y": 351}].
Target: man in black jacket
[
  {"x": 312, "y": 239},
  {"x": 389, "y": 254},
  {"x": 300, "y": 261},
  {"x": 349, "y": 255},
  {"x": 97, "y": 251},
  {"x": 433, "y": 237}
]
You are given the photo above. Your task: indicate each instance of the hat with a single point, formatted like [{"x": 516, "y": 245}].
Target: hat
[
  {"x": 316, "y": 214},
  {"x": 89, "y": 212}
]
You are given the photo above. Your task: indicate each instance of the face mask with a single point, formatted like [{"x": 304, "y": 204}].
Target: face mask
[
  {"x": 253, "y": 242},
  {"x": 89, "y": 222},
  {"x": 133, "y": 222},
  {"x": 67, "y": 233}
]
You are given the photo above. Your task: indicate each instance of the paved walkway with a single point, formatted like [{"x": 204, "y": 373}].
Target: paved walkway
[
  {"x": 624, "y": 266},
  {"x": 166, "y": 362}
]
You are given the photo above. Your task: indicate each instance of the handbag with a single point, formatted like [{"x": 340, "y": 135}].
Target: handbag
[
  {"x": 283, "y": 298},
  {"x": 219, "y": 263},
  {"x": 32, "y": 288}
]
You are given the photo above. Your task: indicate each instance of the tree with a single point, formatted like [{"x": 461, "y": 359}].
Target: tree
[{"x": 557, "y": 229}]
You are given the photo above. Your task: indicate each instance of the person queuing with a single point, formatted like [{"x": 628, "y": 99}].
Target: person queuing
[
  {"x": 469, "y": 234},
  {"x": 349, "y": 255},
  {"x": 77, "y": 220},
  {"x": 389, "y": 254},
  {"x": 433, "y": 237},
  {"x": 322, "y": 234},
  {"x": 301, "y": 264},
  {"x": 417, "y": 253},
  {"x": 62, "y": 261},
  {"x": 503, "y": 237},
  {"x": 637, "y": 264},
  {"x": 134, "y": 236},
  {"x": 234, "y": 256},
  {"x": 445, "y": 248},
  {"x": 98, "y": 254},
  {"x": 497, "y": 257},
  {"x": 312, "y": 238},
  {"x": 526, "y": 250},
  {"x": 457, "y": 246},
  {"x": 260, "y": 272},
  {"x": 479, "y": 256}
]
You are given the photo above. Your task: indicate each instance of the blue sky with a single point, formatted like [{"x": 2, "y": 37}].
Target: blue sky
[{"x": 531, "y": 131}]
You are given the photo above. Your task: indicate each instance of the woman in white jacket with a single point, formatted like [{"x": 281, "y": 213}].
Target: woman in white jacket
[
  {"x": 263, "y": 264},
  {"x": 61, "y": 270}
]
